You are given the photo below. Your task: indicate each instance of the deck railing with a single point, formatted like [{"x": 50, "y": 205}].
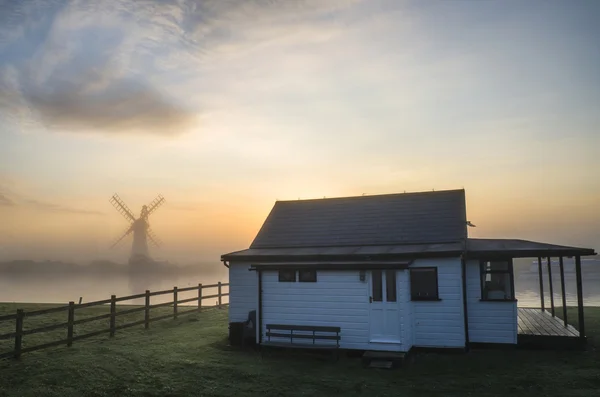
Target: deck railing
[{"x": 71, "y": 309}]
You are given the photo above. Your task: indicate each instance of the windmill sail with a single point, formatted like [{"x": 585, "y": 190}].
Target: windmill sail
[
  {"x": 139, "y": 227},
  {"x": 122, "y": 208}
]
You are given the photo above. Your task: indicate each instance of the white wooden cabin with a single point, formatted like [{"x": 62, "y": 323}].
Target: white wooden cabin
[{"x": 394, "y": 272}]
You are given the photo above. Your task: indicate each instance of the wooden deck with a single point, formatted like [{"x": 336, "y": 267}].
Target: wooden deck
[
  {"x": 538, "y": 322},
  {"x": 538, "y": 329}
]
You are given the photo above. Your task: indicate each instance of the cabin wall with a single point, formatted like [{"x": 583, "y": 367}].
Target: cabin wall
[
  {"x": 406, "y": 310},
  {"x": 489, "y": 322},
  {"x": 337, "y": 298},
  {"x": 243, "y": 291},
  {"x": 440, "y": 323}
]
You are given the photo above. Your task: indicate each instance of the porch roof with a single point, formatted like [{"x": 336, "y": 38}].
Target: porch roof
[{"x": 485, "y": 247}]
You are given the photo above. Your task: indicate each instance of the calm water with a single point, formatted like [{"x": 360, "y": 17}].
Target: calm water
[
  {"x": 527, "y": 287},
  {"x": 59, "y": 289}
]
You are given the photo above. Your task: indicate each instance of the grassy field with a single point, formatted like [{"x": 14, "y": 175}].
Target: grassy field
[{"x": 190, "y": 357}]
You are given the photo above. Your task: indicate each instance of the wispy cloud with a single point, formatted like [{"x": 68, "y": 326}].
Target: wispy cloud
[
  {"x": 74, "y": 66},
  {"x": 51, "y": 207},
  {"x": 119, "y": 108},
  {"x": 17, "y": 200},
  {"x": 5, "y": 201}
]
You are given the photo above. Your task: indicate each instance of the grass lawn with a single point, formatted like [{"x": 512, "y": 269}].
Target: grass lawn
[{"x": 190, "y": 357}]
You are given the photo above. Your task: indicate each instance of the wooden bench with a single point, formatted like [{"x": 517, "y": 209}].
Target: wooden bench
[{"x": 307, "y": 333}]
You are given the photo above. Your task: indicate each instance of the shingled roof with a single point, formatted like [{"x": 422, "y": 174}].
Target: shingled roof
[{"x": 389, "y": 219}]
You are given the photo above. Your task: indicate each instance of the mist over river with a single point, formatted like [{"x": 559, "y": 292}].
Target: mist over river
[
  {"x": 65, "y": 287},
  {"x": 62, "y": 287}
]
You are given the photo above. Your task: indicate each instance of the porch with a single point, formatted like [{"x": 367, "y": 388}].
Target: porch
[
  {"x": 539, "y": 328},
  {"x": 540, "y": 322}
]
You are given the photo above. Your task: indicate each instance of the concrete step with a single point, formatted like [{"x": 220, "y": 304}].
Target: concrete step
[{"x": 382, "y": 359}]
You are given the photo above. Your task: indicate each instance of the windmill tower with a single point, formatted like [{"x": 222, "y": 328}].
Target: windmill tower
[{"x": 139, "y": 227}]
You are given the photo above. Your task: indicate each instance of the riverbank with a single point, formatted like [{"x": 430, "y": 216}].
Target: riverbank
[{"x": 190, "y": 357}]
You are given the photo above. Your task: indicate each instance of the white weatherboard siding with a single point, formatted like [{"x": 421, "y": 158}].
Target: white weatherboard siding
[
  {"x": 407, "y": 310},
  {"x": 441, "y": 323},
  {"x": 243, "y": 291},
  {"x": 338, "y": 298},
  {"x": 489, "y": 322}
]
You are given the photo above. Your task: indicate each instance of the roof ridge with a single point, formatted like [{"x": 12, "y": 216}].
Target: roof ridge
[{"x": 422, "y": 192}]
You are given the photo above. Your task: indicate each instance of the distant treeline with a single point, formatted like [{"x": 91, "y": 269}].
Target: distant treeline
[{"x": 98, "y": 267}]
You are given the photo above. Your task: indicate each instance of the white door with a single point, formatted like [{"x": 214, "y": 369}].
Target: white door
[{"x": 383, "y": 298}]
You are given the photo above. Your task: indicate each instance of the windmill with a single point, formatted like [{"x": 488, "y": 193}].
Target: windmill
[{"x": 138, "y": 226}]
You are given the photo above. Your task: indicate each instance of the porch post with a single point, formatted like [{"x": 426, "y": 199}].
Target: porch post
[
  {"x": 541, "y": 282},
  {"x": 562, "y": 287},
  {"x": 551, "y": 289},
  {"x": 579, "y": 296}
]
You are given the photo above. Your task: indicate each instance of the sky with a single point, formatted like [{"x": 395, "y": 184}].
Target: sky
[{"x": 225, "y": 106}]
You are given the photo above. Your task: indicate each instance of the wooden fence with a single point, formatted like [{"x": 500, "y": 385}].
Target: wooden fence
[{"x": 71, "y": 308}]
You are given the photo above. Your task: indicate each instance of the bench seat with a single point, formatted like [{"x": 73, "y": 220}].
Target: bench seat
[
  {"x": 299, "y": 345},
  {"x": 302, "y": 336}
]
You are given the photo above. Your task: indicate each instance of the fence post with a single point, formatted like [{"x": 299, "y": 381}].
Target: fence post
[
  {"x": 199, "y": 297},
  {"x": 147, "y": 311},
  {"x": 220, "y": 295},
  {"x": 70, "y": 325},
  {"x": 19, "y": 333},
  {"x": 113, "y": 314},
  {"x": 174, "y": 303}
]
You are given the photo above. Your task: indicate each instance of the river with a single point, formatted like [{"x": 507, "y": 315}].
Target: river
[{"x": 61, "y": 289}]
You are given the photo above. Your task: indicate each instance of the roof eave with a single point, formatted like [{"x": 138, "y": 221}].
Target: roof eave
[
  {"x": 334, "y": 265},
  {"x": 346, "y": 257},
  {"x": 567, "y": 252}
]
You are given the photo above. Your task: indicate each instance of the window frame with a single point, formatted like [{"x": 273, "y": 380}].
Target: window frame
[
  {"x": 312, "y": 272},
  {"x": 287, "y": 270},
  {"x": 509, "y": 271},
  {"x": 437, "y": 286}
]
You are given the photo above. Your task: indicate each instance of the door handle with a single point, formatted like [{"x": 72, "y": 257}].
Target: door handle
[{"x": 370, "y": 299}]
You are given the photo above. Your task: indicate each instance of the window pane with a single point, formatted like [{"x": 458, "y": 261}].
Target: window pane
[
  {"x": 287, "y": 275},
  {"x": 390, "y": 286},
  {"x": 423, "y": 283},
  {"x": 376, "y": 281},
  {"x": 307, "y": 276},
  {"x": 497, "y": 286},
  {"x": 496, "y": 266},
  {"x": 495, "y": 280}
]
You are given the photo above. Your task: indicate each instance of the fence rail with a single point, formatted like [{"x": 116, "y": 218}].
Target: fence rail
[{"x": 72, "y": 307}]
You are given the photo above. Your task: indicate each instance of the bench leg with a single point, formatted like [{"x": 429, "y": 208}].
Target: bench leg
[{"x": 336, "y": 355}]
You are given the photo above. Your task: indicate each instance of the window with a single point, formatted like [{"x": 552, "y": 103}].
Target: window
[
  {"x": 287, "y": 275},
  {"x": 390, "y": 286},
  {"x": 307, "y": 276},
  {"x": 377, "y": 286},
  {"x": 497, "y": 280},
  {"x": 383, "y": 285},
  {"x": 424, "y": 284}
]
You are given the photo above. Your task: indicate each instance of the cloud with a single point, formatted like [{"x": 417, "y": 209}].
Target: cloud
[
  {"x": 118, "y": 109},
  {"x": 50, "y": 207},
  {"x": 79, "y": 70},
  {"x": 140, "y": 66},
  {"x": 17, "y": 200},
  {"x": 5, "y": 201}
]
